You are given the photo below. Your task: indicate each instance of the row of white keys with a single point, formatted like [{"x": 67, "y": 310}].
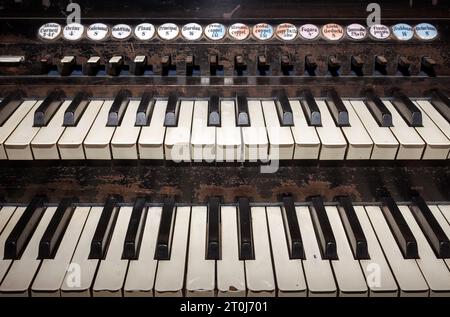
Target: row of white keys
[
  {"x": 51, "y": 274},
  {"x": 151, "y": 139},
  {"x": 142, "y": 272},
  {"x": 17, "y": 281},
  {"x": 228, "y": 135},
  {"x": 124, "y": 140},
  {"x": 70, "y": 144},
  {"x": 8, "y": 217},
  {"x": 442, "y": 215},
  {"x": 97, "y": 142},
  {"x": 254, "y": 138},
  {"x": 289, "y": 272},
  {"x": 203, "y": 138},
  {"x": 307, "y": 142}
]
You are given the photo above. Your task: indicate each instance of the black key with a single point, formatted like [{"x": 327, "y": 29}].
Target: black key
[
  {"x": 135, "y": 230},
  {"x": 214, "y": 111},
  {"x": 55, "y": 231},
  {"x": 379, "y": 111},
  {"x": 245, "y": 237},
  {"x": 284, "y": 109},
  {"x": 9, "y": 104},
  {"x": 104, "y": 229},
  {"x": 76, "y": 109},
  {"x": 430, "y": 227},
  {"x": 337, "y": 109},
  {"x": 213, "y": 233},
  {"x": 172, "y": 110},
  {"x": 399, "y": 228},
  {"x": 48, "y": 108},
  {"x": 292, "y": 229},
  {"x": 407, "y": 109},
  {"x": 242, "y": 115},
  {"x": 118, "y": 108},
  {"x": 311, "y": 109},
  {"x": 165, "y": 232},
  {"x": 145, "y": 110},
  {"x": 355, "y": 234},
  {"x": 322, "y": 228},
  {"x": 441, "y": 102},
  {"x": 23, "y": 230}
]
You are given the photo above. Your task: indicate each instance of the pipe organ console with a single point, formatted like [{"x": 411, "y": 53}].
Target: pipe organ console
[{"x": 225, "y": 148}]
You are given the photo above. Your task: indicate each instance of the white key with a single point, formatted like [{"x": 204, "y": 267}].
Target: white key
[
  {"x": 385, "y": 144},
  {"x": 97, "y": 142},
  {"x": 437, "y": 143},
  {"x": 141, "y": 272},
  {"x": 5, "y": 215},
  {"x": 20, "y": 275},
  {"x": 112, "y": 270},
  {"x": 378, "y": 275},
  {"x": 411, "y": 144},
  {"x": 50, "y": 276},
  {"x": 124, "y": 141},
  {"x": 360, "y": 144},
  {"x": 13, "y": 121},
  {"x": 406, "y": 271},
  {"x": 71, "y": 142},
  {"x": 170, "y": 273},
  {"x": 200, "y": 276},
  {"x": 6, "y": 231},
  {"x": 203, "y": 139},
  {"x": 318, "y": 272},
  {"x": 18, "y": 144},
  {"x": 151, "y": 140},
  {"x": 307, "y": 142},
  {"x": 230, "y": 270},
  {"x": 289, "y": 273},
  {"x": 44, "y": 144},
  {"x": 433, "y": 269},
  {"x": 177, "y": 142},
  {"x": 258, "y": 272},
  {"x": 439, "y": 212},
  {"x": 333, "y": 141},
  {"x": 254, "y": 137},
  {"x": 347, "y": 270},
  {"x": 445, "y": 209},
  {"x": 280, "y": 138},
  {"x": 228, "y": 135},
  {"x": 81, "y": 271}
]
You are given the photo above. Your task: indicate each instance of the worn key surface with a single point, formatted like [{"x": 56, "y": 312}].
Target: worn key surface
[{"x": 145, "y": 109}]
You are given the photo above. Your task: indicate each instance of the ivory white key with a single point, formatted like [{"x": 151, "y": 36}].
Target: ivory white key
[
  {"x": 18, "y": 143},
  {"x": 349, "y": 276},
  {"x": 8, "y": 225},
  {"x": 44, "y": 144},
  {"x": 280, "y": 138},
  {"x": 13, "y": 121},
  {"x": 407, "y": 274},
  {"x": 445, "y": 209},
  {"x": 177, "y": 142},
  {"x": 385, "y": 144},
  {"x": 203, "y": 139},
  {"x": 71, "y": 142},
  {"x": 141, "y": 272},
  {"x": 318, "y": 272},
  {"x": 360, "y": 144},
  {"x": 289, "y": 273},
  {"x": 97, "y": 142},
  {"x": 254, "y": 137},
  {"x": 258, "y": 272},
  {"x": 411, "y": 144},
  {"x": 228, "y": 136},
  {"x": 18, "y": 280},
  {"x": 307, "y": 142},
  {"x": 124, "y": 140},
  {"x": 5, "y": 214},
  {"x": 151, "y": 139},
  {"x": 170, "y": 273},
  {"x": 230, "y": 270},
  {"x": 333, "y": 141},
  {"x": 50, "y": 276},
  {"x": 433, "y": 269},
  {"x": 112, "y": 270},
  {"x": 439, "y": 212},
  {"x": 80, "y": 274},
  {"x": 200, "y": 276},
  {"x": 378, "y": 275}
]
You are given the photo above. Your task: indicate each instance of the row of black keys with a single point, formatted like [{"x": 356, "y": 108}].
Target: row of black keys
[
  {"x": 17, "y": 240},
  {"x": 407, "y": 109}
]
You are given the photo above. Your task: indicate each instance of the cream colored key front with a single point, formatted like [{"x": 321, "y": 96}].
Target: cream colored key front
[
  {"x": 254, "y": 137},
  {"x": 124, "y": 141},
  {"x": 177, "y": 142},
  {"x": 228, "y": 135},
  {"x": 151, "y": 139},
  {"x": 203, "y": 138}
]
